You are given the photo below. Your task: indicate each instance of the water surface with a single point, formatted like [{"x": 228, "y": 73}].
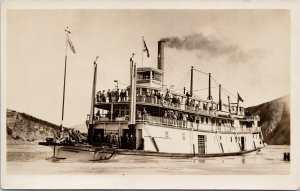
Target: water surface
[{"x": 30, "y": 159}]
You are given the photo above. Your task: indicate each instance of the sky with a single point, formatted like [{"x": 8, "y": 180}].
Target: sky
[{"x": 247, "y": 51}]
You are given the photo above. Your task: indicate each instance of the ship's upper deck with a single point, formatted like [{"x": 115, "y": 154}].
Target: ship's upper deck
[{"x": 150, "y": 77}]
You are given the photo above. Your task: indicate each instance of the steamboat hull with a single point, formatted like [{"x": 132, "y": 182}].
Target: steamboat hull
[{"x": 181, "y": 155}]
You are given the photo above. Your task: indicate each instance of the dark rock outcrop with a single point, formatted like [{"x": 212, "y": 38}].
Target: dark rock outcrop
[{"x": 274, "y": 120}]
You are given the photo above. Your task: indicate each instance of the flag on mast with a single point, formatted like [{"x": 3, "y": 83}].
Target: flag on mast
[
  {"x": 71, "y": 44},
  {"x": 239, "y": 98},
  {"x": 146, "y": 48}
]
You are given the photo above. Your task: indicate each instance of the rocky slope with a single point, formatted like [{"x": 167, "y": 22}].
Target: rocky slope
[
  {"x": 274, "y": 120},
  {"x": 21, "y": 126}
]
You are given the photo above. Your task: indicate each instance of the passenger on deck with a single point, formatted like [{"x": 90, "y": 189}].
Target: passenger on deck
[
  {"x": 197, "y": 107},
  {"x": 204, "y": 106},
  {"x": 108, "y": 114},
  {"x": 197, "y": 121},
  {"x": 148, "y": 93},
  {"x": 98, "y": 95},
  {"x": 138, "y": 115},
  {"x": 184, "y": 119},
  {"x": 126, "y": 94},
  {"x": 117, "y": 95},
  {"x": 98, "y": 115},
  {"x": 115, "y": 139},
  {"x": 109, "y": 95},
  {"x": 122, "y": 96},
  {"x": 102, "y": 96}
]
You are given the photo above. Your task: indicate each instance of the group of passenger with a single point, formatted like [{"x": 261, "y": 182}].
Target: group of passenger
[
  {"x": 157, "y": 97},
  {"x": 126, "y": 141},
  {"x": 168, "y": 116},
  {"x": 112, "y": 138},
  {"x": 112, "y": 96}
]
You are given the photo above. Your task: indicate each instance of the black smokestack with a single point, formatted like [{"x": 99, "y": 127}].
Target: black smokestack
[
  {"x": 208, "y": 45},
  {"x": 160, "y": 55}
]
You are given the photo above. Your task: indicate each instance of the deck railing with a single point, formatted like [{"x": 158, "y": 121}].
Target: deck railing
[
  {"x": 182, "y": 106},
  {"x": 177, "y": 123}
]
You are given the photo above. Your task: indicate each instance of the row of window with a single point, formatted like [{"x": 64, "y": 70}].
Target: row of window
[{"x": 237, "y": 139}]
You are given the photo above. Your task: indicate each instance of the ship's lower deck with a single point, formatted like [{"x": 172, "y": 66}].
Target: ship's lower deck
[{"x": 196, "y": 141}]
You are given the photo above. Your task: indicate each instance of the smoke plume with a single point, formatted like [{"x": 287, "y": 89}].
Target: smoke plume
[{"x": 203, "y": 44}]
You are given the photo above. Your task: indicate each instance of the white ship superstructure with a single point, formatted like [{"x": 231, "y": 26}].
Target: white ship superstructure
[{"x": 148, "y": 118}]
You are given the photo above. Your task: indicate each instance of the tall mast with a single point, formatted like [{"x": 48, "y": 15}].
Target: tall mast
[
  {"x": 93, "y": 92},
  {"x": 191, "y": 87},
  {"x": 65, "y": 75},
  {"x": 220, "y": 98},
  {"x": 209, "y": 87},
  {"x": 91, "y": 120}
]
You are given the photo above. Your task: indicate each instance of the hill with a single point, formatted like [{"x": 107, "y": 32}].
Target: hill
[
  {"x": 24, "y": 127},
  {"x": 274, "y": 120}
]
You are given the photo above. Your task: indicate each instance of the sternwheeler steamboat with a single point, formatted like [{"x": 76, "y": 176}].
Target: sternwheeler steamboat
[{"x": 151, "y": 119}]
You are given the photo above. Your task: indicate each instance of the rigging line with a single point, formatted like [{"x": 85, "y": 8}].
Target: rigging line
[
  {"x": 170, "y": 67},
  {"x": 206, "y": 88},
  {"x": 102, "y": 77},
  {"x": 215, "y": 80},
  {"x": 184, "y": 79},
  {"x": 178, "y": 85},
  {"x": 125, "y": 76},
  {"x": 229, "y": 92},
  {"x": 224, "y": 92},
  {"x": 201, "y": 72}
]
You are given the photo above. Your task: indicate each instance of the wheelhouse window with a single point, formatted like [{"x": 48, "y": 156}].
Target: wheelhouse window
[
  {"x": 156, "y": 76},
  {"x": 144, "y": 75}
]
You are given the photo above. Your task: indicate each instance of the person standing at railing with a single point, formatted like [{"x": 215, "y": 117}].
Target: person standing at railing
[
  {"x": 175, "y": 118},
  {"x": 102, "y": 96},
  {"x": 122, "y": 95},
  {"x": 98, "y": 115},
  {"x": 117, "y": 95},
  {"x": 197, "y": 107},
  {"x": 144, "y": 113},
  {"x": 125, "y": 95},
  {"x": 98, "y": 95},
  {"x": 205, "y": 106},
  {"x": 152, "y": 97},
  {"x": 109, "y": 95},
  {"x": 197, "y": 121},
  {"x": 184, "y": 119},
  {"x": 138, "y": 115}
]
